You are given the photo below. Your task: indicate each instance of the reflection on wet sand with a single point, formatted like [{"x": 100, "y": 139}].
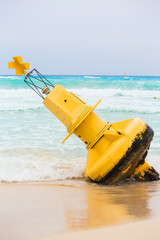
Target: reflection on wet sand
[
  {"x": 108, "y": 205},
  {"x": 32, "y": 211}
]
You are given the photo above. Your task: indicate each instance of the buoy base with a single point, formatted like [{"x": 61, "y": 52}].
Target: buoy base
[{"x": 133, "y": 165}]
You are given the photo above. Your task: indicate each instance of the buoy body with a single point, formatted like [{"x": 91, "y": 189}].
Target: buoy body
[{"x": 115, "y": 151}]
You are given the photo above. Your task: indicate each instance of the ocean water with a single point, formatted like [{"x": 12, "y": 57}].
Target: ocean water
[{"x": 30, "y": 136}]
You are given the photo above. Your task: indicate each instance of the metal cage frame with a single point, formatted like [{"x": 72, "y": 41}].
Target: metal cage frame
[{"x": 29, "y": 80}]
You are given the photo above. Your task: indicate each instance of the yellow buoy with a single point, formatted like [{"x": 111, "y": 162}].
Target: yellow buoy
[{"x": 116, "y": 151}]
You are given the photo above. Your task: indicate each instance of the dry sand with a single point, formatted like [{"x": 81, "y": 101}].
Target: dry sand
[{"x": 67, "y": 210}]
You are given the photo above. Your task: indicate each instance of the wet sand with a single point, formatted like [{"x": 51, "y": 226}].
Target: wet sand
[
  {"x": 138, "y": 230},
  {"x": 60, "y": 210}
]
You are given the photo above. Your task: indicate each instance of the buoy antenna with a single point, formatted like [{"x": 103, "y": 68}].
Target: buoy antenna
[{"x": 34, "y": 79}]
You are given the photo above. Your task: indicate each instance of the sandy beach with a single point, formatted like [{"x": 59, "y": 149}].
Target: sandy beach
[{"x": 74, "y": 209}]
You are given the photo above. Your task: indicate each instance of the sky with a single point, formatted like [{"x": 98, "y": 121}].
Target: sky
[{"x": 85, "y": 37}]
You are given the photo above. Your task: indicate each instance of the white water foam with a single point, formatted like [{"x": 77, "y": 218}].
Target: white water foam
[
  {"x": 29, "y": 165},
  {"x": 122, "y": 100},
  {"x": 11, "y": 77},
  {"x": 112, "y": 99},
  {"x": 19, "y": 99},
  {"x": 91, "y": 77}
]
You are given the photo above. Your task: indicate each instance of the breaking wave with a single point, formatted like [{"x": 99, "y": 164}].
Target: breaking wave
[
  {"x": 91, "y": 77},
  {"x": 112, "y": 99}
]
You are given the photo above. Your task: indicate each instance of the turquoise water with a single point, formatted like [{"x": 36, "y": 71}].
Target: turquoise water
[{"x": 30, "y": 139}]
